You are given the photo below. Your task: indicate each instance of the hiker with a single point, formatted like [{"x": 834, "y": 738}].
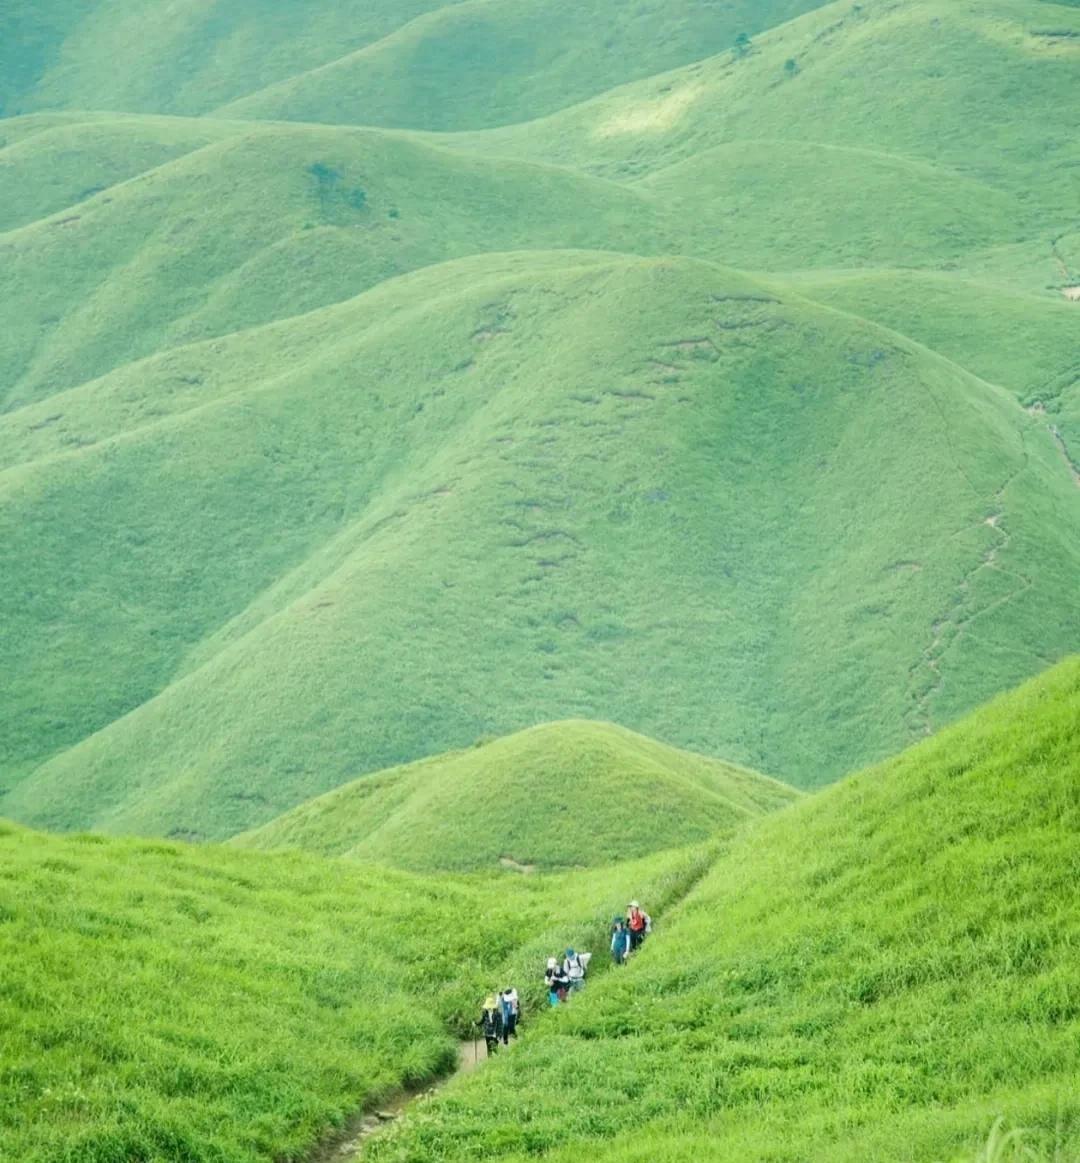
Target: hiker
[
  {"x": 491, "y": 1023},
  {"x": 639, "y": 923},
  {"x": 556, "y": 981},
  {"x": 574, "y": 967},
  {"x": 620, "y": 941},
  {"x": 509, "y": 1008}
]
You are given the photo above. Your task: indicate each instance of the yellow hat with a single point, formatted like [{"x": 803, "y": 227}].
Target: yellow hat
[{"x": 490, "y": 1003}]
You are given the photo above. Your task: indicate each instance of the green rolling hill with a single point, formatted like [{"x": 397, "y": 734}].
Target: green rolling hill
[
  {"x": 325, "y": 448},
  {"x": 394, "y": 396},
  {"x": 419, "y": 63},
  {"x": 562, "y": 794},
  {"x": 865, "y": 76},
  {"x": 491, "y": 62},
  {"x": 452, "y": 466},
  {"x": 122, "y": 54},
  {"x": 879, "y": 972},
  {"x": 303, "y": 217}
]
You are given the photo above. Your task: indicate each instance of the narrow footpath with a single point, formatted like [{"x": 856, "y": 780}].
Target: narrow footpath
[{"x": 348, "y": 1142}]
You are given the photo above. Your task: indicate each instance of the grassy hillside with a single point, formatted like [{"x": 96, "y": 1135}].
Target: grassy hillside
[
  {"x": 596, "y": 478},
  {"x": 289, "y": 501},
  {"x": 572, "y": 793},
  {"x": 299, "y": 218},
  {"x": 165, "y": 1002},
  {"x": 372, "y": 62},
  {"x": 47, "y": 165},
  {"x": 1006, "y": 43},
  {"x": 492, "y": 62},
  {"x": 878, "y": 973},
  {"x": 921, "y": 81},
  {"x": 773, "y": 205},
  {"x": 1024, "y": 342},
  {"x": 129, "y": 55}
]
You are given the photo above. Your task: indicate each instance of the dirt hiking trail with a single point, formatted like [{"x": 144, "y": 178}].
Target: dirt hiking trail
[{"x": 347, "y": 1143}]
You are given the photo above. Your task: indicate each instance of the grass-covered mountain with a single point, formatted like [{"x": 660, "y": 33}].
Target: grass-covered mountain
[
  {"x": 378, "y": 379},
  {"x": 563, "y": 794},
  {"x": 416, "y": 63},
  {"x": 597, "y": 478},
  {"x": 880, "y": 972}
]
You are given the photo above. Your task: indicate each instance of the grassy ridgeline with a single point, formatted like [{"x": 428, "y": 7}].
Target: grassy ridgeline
[
  {"x": 63, "y": 53},
  {"x": 429, "y": 63},
  {"x": 492, "y": 62},
  {"x": 878, "y": 973},
  {"x": 923, "y": 81},
  {"x": 166, "y": 1002},
  {"x": 265, "y": 526},
  {"x": 605, "y": 481},
  {"x": 562, "y": 794},
  {"x": 241, "y": 224}
]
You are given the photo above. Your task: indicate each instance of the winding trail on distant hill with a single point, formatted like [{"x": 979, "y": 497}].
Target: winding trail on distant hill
[
  {"x": 1039, "y": 411},
  {"x": 946, "y": 631}
]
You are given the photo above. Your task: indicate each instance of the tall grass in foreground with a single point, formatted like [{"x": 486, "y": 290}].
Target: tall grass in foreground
[
  {"x": 875, "y": 974},
  {"x": 163, "y": 1002}
]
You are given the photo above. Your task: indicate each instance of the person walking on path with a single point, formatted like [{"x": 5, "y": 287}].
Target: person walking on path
[
  {"x": 620, "y": 941},
  {"x": 491, "y": 1023},
  {"x": 639, "y": 923},
  {"x": 556, "y": 981},
  {"x": 509, "y": 1008},
  {"x": 574, "y": 968}
]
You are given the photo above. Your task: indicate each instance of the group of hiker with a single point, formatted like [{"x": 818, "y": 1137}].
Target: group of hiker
[
  {"x": 627, "y": 933},
  {"x": 499, "y": 1018},
  {"x": 566, "y": 977},
  {"x": 563, "y": 977}
]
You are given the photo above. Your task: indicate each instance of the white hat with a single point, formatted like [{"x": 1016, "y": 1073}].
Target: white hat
[
  {"x": 634, "y": 905},
  {"x": 552, "y": 963}
]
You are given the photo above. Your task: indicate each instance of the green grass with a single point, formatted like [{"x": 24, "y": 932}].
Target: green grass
[
  {"x": 772, "y": 205},
  {"x": 125, "y": 55},
  {"x": 435, "y": 502},
  {"x": 48, "y": 167},
  {"x": 596, "y": 478},
  {"x": 375, "y": 381},
  {"x": 1016, "y": 339},
  {"x": 702, "y": 520},
  {"x": 492, "y": 62},
  {"x": 302, "y": 217},
  {"x": 880, "y": 972},
  {"x": 570, "y": 794},
  {"x": 976, "y": 89},
  {"x": 428, "y": 63},
  {"x": 168, "y": 1002}
]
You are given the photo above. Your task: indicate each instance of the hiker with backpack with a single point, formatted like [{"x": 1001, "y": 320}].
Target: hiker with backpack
[
  {"x": 491, "y": 1023},
  {"x": 639, "y": 923},
  {"x": 620, "y": 941},
  {"x": 557, "y": 981},
  {"x": 510, "y": 1009},
  {"x": 575, "y": 967}
]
